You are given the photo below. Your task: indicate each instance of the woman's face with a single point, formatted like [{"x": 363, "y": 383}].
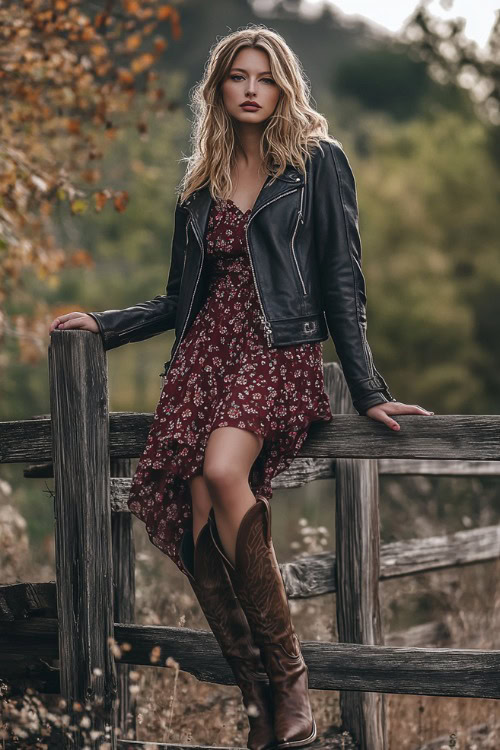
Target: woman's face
[{"x": 250, "y": 79}]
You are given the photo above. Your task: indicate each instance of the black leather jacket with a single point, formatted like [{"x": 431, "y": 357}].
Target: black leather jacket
[{"x": 305, "y": 253}]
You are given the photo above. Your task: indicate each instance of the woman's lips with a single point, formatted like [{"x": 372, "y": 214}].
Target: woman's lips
[{"x": 252, "y": 107}]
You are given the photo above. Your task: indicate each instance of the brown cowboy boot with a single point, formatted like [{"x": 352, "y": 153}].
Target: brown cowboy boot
[
  {"x": 211, "y": 584},
  {"x": 258, "y": 584}
]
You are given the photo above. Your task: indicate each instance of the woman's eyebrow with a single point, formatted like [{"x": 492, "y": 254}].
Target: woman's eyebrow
[{"x": 266, "y": 72}]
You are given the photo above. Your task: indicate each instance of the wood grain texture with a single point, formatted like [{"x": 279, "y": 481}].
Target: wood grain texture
[
  {"x": 42, "y": 674},
  {"x": 448, "y": 468},
  {"x": 123, "y": 551},
  {"x": 440, "y": 437},
  {"x": 19, "y": 601},
  {"x": 357, "y": 545},
  {"x": 84, "y": 573},
  {"x": 333, "y": 666},
  {"x": 315, "y": 575},
  {"x": 358, "y": 606}
]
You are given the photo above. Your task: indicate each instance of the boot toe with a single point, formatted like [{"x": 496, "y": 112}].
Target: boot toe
[{"x": 297, "y": 737}]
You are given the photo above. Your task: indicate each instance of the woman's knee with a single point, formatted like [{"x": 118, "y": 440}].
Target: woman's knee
[{"x": 222, "y": 476}]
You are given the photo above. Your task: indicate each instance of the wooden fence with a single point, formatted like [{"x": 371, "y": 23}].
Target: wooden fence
[{"x": 77, "y": 621}]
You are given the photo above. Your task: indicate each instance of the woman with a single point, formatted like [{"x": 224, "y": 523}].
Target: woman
[{"x": 266, "y": 263}]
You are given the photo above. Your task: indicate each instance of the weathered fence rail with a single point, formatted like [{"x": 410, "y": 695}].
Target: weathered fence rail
[
  {"x": 453, "y": 437},
  {"x": 72, "y": 620}
]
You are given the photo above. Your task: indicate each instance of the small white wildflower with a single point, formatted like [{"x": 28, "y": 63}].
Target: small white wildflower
[
  {"x": 252, "y": 710},
  {"x": 308, "y": 530}
]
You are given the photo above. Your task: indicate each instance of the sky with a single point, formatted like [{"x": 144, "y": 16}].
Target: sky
[{"x": 391, "y": 14}]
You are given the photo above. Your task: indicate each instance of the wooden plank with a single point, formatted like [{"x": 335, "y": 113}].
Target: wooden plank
[
  {"x": 440, "y": 437},
  {"x": 21, "y": 600},
  {"x": 333, "y": 666},
  {"x": 441, "y": 468},
  {"x": 357, "y": 546},
  {"x": 315, "y": 575},
  {"x": 84, "y": 573},
  {"x": 357, "y": 542},
  {"x": 123, "y": 600},
  {"x": 438, "y": 552}
]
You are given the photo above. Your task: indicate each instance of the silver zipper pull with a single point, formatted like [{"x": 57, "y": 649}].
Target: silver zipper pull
[{"x": 268, "y": 332}]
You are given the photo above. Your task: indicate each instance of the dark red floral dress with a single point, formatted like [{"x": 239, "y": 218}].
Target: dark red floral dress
[{"x": 224, "y": 374}]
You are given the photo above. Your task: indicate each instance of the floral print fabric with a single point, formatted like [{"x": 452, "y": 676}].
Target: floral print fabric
[{"x": 224, "y": 374}]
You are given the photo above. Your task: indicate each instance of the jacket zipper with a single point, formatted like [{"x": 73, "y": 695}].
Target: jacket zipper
[
  {"x": 265, "y": 322},
  {"x": 185, "y": 247},
  {"x": 299, "y": 218}
]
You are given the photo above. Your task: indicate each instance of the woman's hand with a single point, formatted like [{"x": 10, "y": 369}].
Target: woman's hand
[
  {"x": 384, "y": 412},
  {"x": 75, "y": 320}
]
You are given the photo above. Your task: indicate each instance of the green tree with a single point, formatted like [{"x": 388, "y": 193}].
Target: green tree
[{"x": 428, "y": 192}]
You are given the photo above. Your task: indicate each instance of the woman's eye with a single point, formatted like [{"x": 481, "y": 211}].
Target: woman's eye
[{"x": 235, "y": 75}]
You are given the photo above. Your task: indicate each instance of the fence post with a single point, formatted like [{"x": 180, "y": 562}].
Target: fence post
[
  {"x": 357, "y": 548},
  {"x": 80, "y": 453},
  {"x": 123, "y": 598}
]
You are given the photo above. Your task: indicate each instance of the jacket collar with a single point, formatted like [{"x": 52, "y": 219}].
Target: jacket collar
[{"x": 199, "y": 203}]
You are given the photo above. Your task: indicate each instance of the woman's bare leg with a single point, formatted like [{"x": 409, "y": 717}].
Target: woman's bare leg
[
  {"x": 200, "y": 503},
  {"x": 229, "y": 456}
]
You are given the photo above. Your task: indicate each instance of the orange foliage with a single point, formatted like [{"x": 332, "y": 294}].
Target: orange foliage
[{"x": 67, "y": 75}]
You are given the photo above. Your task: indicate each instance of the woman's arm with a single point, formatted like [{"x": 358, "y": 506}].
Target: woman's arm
[
  {"x": 342, "y": 281},
  {"x": 146, "y": 319}
]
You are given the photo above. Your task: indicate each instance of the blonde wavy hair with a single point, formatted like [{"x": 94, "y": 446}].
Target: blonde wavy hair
[{"x": 289, "y": 135}]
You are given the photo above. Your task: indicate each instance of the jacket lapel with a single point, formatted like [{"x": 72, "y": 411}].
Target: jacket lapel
[{"x": 200, "y": 202}]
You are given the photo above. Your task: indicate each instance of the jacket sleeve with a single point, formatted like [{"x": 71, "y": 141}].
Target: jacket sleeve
[
  {"x": 342, "y": 282},
  {"x": 146, "y": 319}
]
